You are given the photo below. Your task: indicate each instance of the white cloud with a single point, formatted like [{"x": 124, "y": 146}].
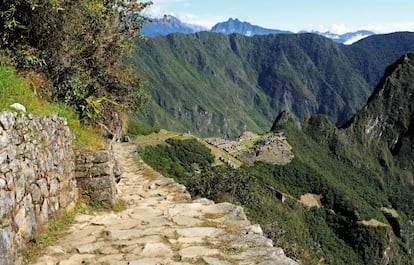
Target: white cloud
[
  {"x": 320, "y": 28},
  {"x": 334, "y": 28},
  {"x": 377, "y": 28},
  {"x": 163, "y": 7},
  {"x": 340, "y": 29},
  {"x": 355, "y": 39},
  {"x": 160, "y": 8},
  {"x": 153, "y": 11},
  {"x": 205, "y": 21}
]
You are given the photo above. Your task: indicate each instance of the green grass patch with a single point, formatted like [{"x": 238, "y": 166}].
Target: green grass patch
[
  {"x": 15, "y": 89},
  {"x": 136, "y": 127},
  {"x": 251, "y": 141}
]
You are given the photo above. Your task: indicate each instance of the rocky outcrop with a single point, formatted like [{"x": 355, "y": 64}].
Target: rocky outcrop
[
  {"x": 284, "y": 119},
  {"x": 36, "y": 177}
]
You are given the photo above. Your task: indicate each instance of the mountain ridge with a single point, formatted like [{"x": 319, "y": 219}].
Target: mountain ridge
[
  {"x": 244, "y": 28},
  {"x": 261, "y": 75},
  {"x": 167, "y": 25},
  {"x": 379, "y": 143},
  {"x": 387, "y": 118},
  {"x": 171, "y": 24}
]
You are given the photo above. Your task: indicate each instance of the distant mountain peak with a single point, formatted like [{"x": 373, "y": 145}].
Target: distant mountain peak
[
  {"x": 234, "y": 25},
  {"x": 170, "y": 24},
  {"x": 167, "y": 25},
  {"x": 245, "y": 28}
]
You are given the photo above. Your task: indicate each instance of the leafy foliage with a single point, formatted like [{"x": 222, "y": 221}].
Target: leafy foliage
[{"x": 79, "y": 46}]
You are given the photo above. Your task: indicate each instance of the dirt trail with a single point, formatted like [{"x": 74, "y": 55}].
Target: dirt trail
[{"x": 162, "y": 225}]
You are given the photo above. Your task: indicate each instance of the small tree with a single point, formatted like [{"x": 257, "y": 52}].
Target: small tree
[{"x": 80, "y": 46}]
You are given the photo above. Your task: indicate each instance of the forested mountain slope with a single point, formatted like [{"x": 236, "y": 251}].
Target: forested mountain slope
[
  {"x": 345, "y": 197},
  {"x": 215, "y": 84}
]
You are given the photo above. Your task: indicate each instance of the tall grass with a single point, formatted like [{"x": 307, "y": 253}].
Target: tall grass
[{"x": 15, "y": 89}]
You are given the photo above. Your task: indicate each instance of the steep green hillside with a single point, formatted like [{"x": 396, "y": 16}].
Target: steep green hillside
[
  {"x": 385, "y": 127},
  {"x": 198, "y": 83},
  {"x": 214, "y": 84},
  {"x": 371, "y": 55},
  {"x": 360, "y": 173},
  {"x": 353, "y": 226}
]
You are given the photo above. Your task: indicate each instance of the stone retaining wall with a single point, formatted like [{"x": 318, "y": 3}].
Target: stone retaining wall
[
  {"x": 36, "y": 177},
  {"x": 96, "y": 173},
  {"x": 40, "y": 174}
]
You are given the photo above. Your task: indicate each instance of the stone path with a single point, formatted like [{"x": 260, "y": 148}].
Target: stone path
[{"x": 162, "y": 225}]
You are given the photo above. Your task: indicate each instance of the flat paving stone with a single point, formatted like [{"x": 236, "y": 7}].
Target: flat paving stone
[
  {"x": 215, "y": 261},
  {"x": 55, "y": 250},
  {"x": 157, "y": 250},
  {"x": 146, "y": 261},
  {"x": 200, "y": 232},
  {"x": 197, "y": 251},
  {"x": 186, "y": 220},
  {"x": 108, "y": 250},
  {"x": 90, "y": 248},
  {"x": 123, "y": 234},
  {"x": 79, "y": 259}
]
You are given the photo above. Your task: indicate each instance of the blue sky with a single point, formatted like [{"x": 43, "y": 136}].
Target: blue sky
[{"x": 341, "y": 16}]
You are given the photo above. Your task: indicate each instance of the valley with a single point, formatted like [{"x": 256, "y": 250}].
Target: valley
[
  {"x": 343, "y": 196},
  {"x": 222, "y": 85}
]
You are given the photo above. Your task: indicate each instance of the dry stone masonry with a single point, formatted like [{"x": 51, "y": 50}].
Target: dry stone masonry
[
  {"x": 36, "y": 177},
  {"x": 39, "y": 177},
  {"x": 96, "y": 174}
]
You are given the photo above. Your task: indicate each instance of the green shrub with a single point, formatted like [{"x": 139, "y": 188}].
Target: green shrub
[
  {"x": 179, "y": 159},
  {"x": 136, "y": 128}
]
